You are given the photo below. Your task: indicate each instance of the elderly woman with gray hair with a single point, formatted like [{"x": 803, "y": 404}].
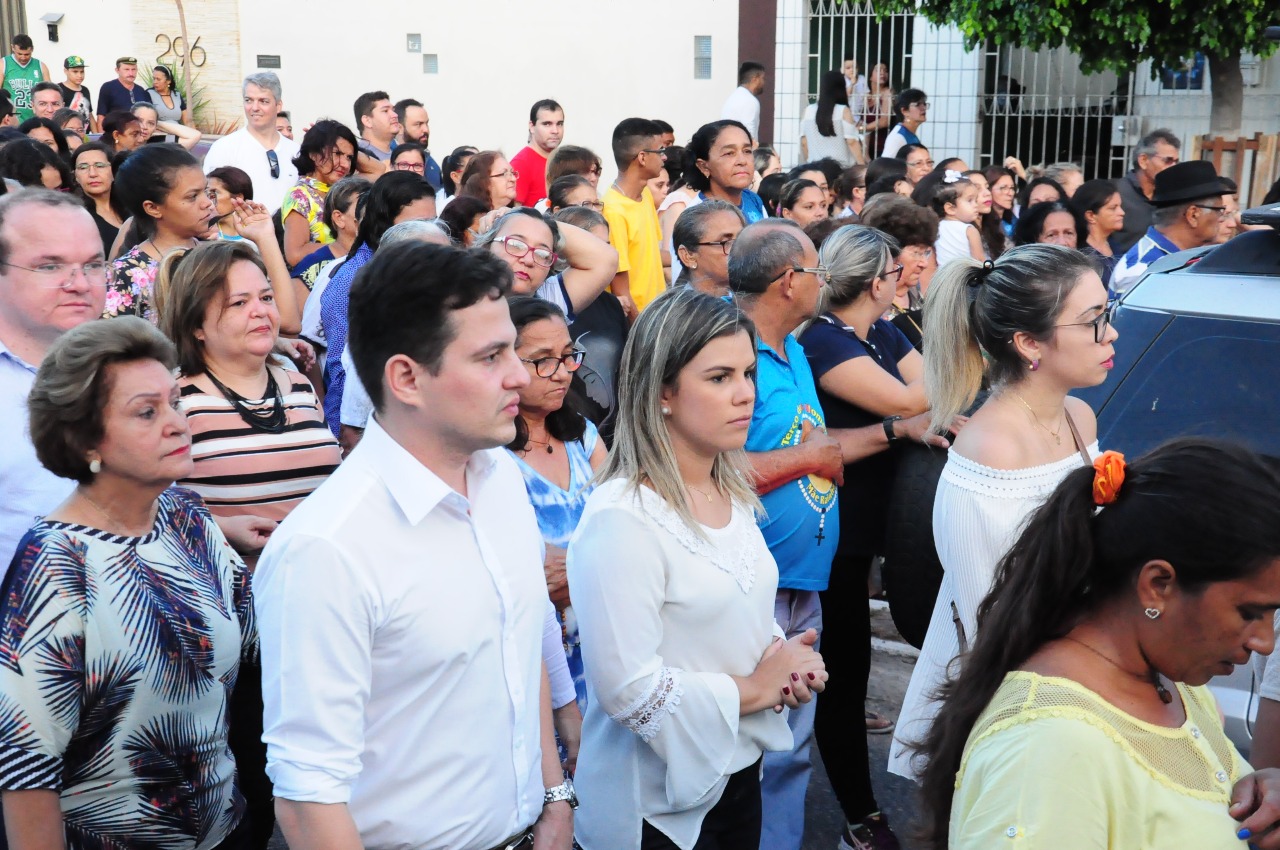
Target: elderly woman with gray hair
[
  {"x": 127, "y": 616},
  {"x": 867, "y": 373},
  {"x": 702, "y": 239}
]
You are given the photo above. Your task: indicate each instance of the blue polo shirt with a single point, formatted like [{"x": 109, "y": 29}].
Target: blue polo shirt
[{"x": 799, "y": 512}]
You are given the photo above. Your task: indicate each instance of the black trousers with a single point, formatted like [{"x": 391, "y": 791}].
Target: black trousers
[
  {"x": 732, "y": 824},
  {"x": 244, "y": 738},
  {"x": 839, "y": 726}
]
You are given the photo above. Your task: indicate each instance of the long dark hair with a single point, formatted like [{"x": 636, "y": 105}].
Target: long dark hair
[
  {"x": 112, "y": 199},
  {"x": 565, "y": 424},
  {"x": 1210, "y": 509},
  {"x": 831, "y": 92},
  {"x": 391, "y": 193},
  {"x": 993, "y": 238},
  {"x": 148, "y": 174}
]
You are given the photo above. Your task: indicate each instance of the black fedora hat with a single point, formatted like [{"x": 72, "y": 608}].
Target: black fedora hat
[{"x": 1187, "y": 181}]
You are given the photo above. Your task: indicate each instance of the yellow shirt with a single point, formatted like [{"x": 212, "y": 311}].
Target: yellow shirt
[
  {"x": 637, "y": 236},
  {"x": 1050, "y": 764}
]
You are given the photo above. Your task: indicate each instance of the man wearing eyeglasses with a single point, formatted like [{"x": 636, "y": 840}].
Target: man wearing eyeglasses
[
  {"x": 52, "y": 278},
  {"x": 546, "y": 131},
  {"x": 1157, "y": 151},
  {"x": 1187, "y": 211},
  {"x": 632, "y": 215},
  {"x": 258, "y": 148}
]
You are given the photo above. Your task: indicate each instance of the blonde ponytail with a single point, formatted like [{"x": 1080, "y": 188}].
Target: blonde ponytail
[{"x": 952, "y": 358}]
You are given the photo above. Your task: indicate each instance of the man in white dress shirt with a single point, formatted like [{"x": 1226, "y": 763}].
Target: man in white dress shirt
[
  {"x": 258, "y": 148},
  {"x": 402, "y": 604},
  {"x": 46, "y": 241},
  {"x": 743, "y": 103}
]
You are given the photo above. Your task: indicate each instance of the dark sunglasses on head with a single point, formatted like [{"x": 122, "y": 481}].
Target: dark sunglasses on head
[{"x": 274, "y": 162}]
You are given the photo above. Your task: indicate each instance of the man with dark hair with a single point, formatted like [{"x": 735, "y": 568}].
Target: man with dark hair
[
  {"x": 74, "y": 93},
  {"x": 38, "y": 228},
  {"x": 415, "y": 126},
  {"x": 123, "y": 92},
  {"x": 546, "y": 131},
  {"x": 776, "y": 279},
  {"x": 376, "y": 120},
  {"x": 668, "y": 132},
  {"x": 46, "y": 99},
  {"x": 1157, "y": 151},
  {"x": 632, "y": 215},
  {"x": 21, "y": 73},
  {"x": 401, "y": 607},
  {"x": 1187, "y": 209},
  {"x": 284, "y": 124},
  {"x": 743, "y": 103}
]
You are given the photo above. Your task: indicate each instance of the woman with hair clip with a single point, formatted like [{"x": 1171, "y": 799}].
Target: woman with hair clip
[
  {"x": 1034, "y": 325},
  {"x": 702, "y": 238},
  {"x": 674, "y": 590},
  {"x": 1080, "y": 717}
]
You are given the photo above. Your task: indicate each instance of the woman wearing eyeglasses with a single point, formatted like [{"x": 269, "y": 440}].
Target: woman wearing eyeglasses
[
  {"x": 533, "y": 244},
  {"x": 867, "y": 373},
  {"x": 410, "y": 156},
  {"x": 1035, "y": 324},
  {"x": 558, "y": 451},
  {"x": 702, "y": 239},
  {"x": 490, "y": 177},
  {"x": 94, "y": 180}
]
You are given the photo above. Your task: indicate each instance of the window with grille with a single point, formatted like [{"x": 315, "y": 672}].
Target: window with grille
[{"x": 702, "y": 57}]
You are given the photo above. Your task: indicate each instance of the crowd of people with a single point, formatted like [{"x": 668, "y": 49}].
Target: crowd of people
[{"x": 390, "y": 502}]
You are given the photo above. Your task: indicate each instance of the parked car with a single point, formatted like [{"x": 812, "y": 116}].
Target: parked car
[{"x": 1199, "y": 355}]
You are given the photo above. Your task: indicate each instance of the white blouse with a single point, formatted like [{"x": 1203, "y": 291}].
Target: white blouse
[
  {"x": 978, "y": 513},
  {"x": 666, "y": 617}
]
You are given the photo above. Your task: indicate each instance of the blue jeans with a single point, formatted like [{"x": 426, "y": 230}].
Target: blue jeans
[{"x": 786, "y": 775}]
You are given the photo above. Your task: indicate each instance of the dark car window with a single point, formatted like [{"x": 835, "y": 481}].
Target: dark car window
[{"x": 1202, "y": 377}]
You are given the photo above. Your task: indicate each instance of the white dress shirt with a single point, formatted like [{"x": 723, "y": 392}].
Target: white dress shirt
[
  {"x": 667, "y": 618},
  {"x": 247, "y": 153},
  {"x": 401, "y": 633},
  {"x": 28, "y": 491},
  {"x": 744, "y": 107}
]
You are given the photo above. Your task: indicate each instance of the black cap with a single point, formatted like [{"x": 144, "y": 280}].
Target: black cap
[{"x": 1188, "y": 181}]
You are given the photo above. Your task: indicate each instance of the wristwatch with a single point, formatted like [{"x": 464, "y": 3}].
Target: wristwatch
[
  {"x": 562, "y": 792},
  {"x": 888, "y": 428}
]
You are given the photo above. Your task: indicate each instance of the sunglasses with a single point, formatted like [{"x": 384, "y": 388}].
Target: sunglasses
[{"x": 274, "y": 162}]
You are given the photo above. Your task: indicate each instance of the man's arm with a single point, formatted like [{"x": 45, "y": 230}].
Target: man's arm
[
  {"x": 317, "y": 826},
  {"x": 554, "y": 829},
  {"x": 818, "y": 454}
]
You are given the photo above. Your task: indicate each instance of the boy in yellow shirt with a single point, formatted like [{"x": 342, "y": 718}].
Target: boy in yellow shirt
[{"x": 632, "y": 215}]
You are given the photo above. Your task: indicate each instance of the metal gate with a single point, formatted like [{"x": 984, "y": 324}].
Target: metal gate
[
  {"x": 1039, "y": 107},
  {"x": 850, "y": 29}
]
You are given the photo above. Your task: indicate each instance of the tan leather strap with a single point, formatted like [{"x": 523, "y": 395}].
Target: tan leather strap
[{"x": 1075, "y": 435}]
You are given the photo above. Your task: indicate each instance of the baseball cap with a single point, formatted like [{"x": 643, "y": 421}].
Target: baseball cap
[{"x": 73, "y": 62}]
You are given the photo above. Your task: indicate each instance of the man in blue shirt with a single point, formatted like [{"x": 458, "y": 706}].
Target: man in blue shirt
[
  {"x": 1189, "y": 207},
  {"x": 776, "y": 280},
  {"x": 122, "y": 93}
]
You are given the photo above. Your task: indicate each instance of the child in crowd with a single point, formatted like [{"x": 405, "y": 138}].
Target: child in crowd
[{"x": 956, "y": 203}]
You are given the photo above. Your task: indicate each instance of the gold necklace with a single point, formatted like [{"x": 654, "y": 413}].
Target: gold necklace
[
  {"x": 1161, "y": 691},
  {"x": 117, "y": 523},
  {"x": 1057, "y": 435},
  {"x": 704, "y": 493}
]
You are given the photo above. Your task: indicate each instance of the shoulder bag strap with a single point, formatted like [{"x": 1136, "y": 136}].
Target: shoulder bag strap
[{"x": 1075, "y": 435}]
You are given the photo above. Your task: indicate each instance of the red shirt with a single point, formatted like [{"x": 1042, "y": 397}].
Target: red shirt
[{"x": 531, "y": 186}]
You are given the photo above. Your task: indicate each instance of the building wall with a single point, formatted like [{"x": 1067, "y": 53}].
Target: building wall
[
  {"x": 952, "y": 78},
  {"x": 602, "y": 61}
]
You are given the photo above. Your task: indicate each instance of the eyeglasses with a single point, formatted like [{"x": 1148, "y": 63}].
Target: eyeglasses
[
  {"x": 723, "y": 244},
  {"x": 823, "y": 275},
  {"x": 1167, "y": 160},
  {"x": 274, "y": 162},
  {"x": 919, "y": 162},
  {"x": 92, "y": 166},
  {"x": 659, "y": 151},
  {"x": 546, "y": 367},
  {"x": 410, "y": 166},
  {"x": 917, "y": 253},
  {"x": 520, "y": 249},
  {"x": 510, "y": 172},
  {"x": 58, "y": 275},
  {"x": 1221, "y": 211},
  {"x": 1099, "y": 324},
  {"x": 591, "y": 205},
  {"x": 923, "y": 104},
  {"x": 893, "y": 274}
]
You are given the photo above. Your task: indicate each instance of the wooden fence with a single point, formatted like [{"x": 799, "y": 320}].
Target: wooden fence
[{"x": 1251, "y": 162}]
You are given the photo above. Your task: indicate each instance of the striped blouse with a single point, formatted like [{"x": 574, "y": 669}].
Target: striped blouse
[{"x": 242, "y": 471}]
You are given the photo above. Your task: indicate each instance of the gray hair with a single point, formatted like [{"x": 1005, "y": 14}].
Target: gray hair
[
  {"x": 691, "y": 228},
  {"x": 1147, "y": 145},
  {"x": 1059, "y": 170},
  {"x": 761, "y": 253},
  {"x": 268, "y": 80},
  {"x": 668, "y": 335},
  {"x": 855, "y": 255},
  {"x": 15, "y": 200},
  {"x": 419, "y": 229}
]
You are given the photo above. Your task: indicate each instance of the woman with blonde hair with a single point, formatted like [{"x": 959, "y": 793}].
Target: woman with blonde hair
[
  {"x": 674, "y": 589},
  {"x": 1035, "y": 324}
]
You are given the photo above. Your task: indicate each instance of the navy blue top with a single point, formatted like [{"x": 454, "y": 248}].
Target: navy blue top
[{"x": 114, "y": 96}]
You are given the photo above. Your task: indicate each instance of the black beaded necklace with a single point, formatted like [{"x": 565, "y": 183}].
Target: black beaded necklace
[{"x": 271, "y": 420}]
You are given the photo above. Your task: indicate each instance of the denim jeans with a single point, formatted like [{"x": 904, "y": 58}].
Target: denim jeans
[{"x": 786, "y": 775}]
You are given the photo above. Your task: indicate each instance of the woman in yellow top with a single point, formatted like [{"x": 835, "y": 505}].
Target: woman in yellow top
[
  {"x": 323, "y": 159},
  {"x": 1080, "y": 718}
]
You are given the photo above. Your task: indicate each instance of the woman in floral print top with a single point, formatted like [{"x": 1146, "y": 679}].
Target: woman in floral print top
[{"x": 325, "y": 157}]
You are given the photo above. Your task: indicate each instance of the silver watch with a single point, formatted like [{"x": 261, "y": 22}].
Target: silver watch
[{"x": 562, "y": 792}]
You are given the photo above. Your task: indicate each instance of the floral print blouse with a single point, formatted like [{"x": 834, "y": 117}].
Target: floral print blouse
[
  {"x": 130, "y": 287},
  {"x": 307, "y": 198}
]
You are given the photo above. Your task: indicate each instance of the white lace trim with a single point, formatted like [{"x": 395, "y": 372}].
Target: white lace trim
[
  {"x": 1035, "y": 482},
  {"x": 644, "y": 715},
  {"x": 737, "y": 556}
]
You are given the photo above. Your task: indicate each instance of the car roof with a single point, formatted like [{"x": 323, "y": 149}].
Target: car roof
[{"x": 1237, "y": 280}]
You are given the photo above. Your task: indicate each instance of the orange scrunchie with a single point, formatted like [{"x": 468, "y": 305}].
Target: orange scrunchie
[{"x": 1108, "y": 475}]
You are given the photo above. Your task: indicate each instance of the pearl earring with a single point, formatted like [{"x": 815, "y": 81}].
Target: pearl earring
[
  {"x": 666, "y": 411},
  {"x": 95, "y": 466},
  {"x": 1034, "y": 365}
]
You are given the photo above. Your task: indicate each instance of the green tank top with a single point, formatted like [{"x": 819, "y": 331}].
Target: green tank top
[{"x": 19, "y": 81}]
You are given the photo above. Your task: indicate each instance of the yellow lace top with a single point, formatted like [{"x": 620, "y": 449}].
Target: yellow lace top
[{"x": 1050, "y": 764}]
